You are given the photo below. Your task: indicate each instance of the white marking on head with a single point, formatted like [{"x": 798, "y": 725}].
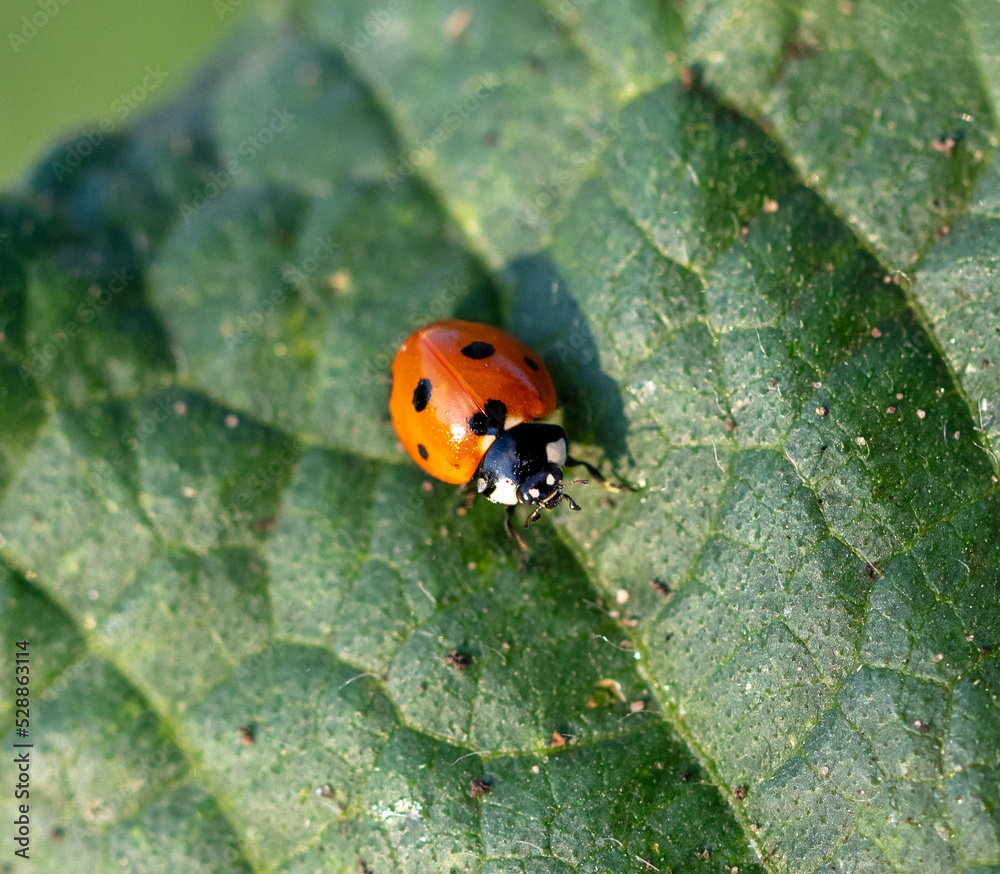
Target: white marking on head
[
  {"x": 555, "y": 452},
  {"x": 481, "y": 484},
  {"x": 505, "y": 492},
  {"x": 534, "y": 493},
  {"x": 551, "y": 480}
]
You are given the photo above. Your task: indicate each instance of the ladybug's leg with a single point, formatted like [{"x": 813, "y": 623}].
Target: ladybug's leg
[
  {"x": 508, "y": 519},
  {"x": 594, "y": 472},
  {"x": 468, "y": 491}
]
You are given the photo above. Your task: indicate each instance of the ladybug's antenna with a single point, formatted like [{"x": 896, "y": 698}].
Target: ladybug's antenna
[{"x": 573, "y": 505}]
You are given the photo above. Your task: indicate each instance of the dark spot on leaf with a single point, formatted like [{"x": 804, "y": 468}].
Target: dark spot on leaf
[
  {"x": 532, "y": 364},
  {"x": 458, "y": 659},
  {"x": 491, "y": 138},
  {"x": 740, "y": 792},
  {"x": 423, "y": 451},
  {"x": 660, "y": 586},
  {"x": 248, "y": 734},
  {"x": 479, "y": 787},
  {"x": 422, "y": 395},
  {"x": 797, "y": 50},
  {"x": 490, "y": 422},
  {"x": 478, "y": 350},
  {"x": 870, "y": 571}
]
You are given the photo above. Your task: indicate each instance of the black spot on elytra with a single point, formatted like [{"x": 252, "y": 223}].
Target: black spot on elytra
[
  {"x": 422, "y": 394},
  {"x": 532, "y": 364},
  {"x": 478, "y": 350},
  {"x": 490, "y": 422},
  {"x": 422, "y": 450}
]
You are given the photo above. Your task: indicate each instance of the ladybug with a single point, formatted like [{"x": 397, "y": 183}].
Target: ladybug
[{"x": 464, "y": 402}]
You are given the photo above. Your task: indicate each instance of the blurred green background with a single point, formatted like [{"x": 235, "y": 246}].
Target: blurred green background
[{"x": 74, "y": 63}]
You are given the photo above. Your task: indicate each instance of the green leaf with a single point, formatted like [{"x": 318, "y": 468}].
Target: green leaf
[{"x": 754, "y": 244}]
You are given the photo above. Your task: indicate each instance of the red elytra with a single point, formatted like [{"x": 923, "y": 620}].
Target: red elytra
[{"x": 456, "y": 387}]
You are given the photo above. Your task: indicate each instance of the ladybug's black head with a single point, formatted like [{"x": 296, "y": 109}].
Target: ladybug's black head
[
  {"x": 543, "y": 488},
  {"x": 524, "y": 465}
]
